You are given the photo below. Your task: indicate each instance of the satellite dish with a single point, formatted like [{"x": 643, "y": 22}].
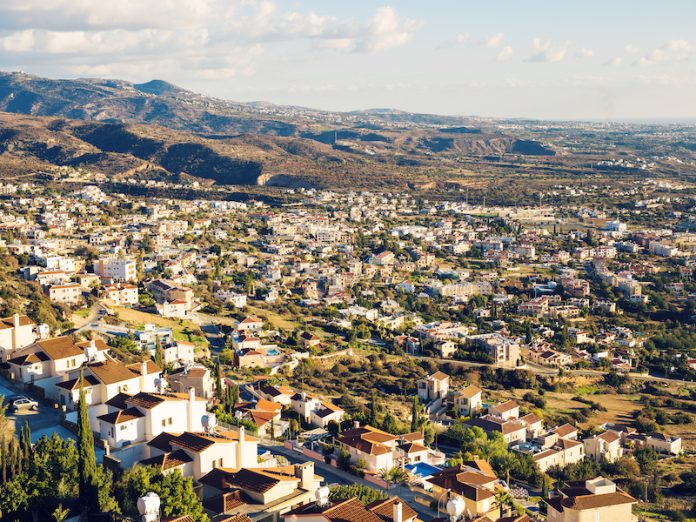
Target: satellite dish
[
  {"x": 91, "y": 352},
  {"x": 323, "y": 496},
  {"x": 149, "y": 506},
  {"x": 455, "y": 507},
  {"x": 161, "y": 385},
  {"x": 210, "y": 422}
]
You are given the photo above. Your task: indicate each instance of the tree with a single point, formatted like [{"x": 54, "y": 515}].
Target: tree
[
  {"x": 389, "y": 424},
  {"x": 415, "y": 415},
  {"x": 393, "y": 476},
  {"x": 343, "y": 459},
  {"x": 60, "y": 513},
  {"x": 647, "y": 459},
  {"x": 364, "y": 494},
  {"x": 505, "y": 501},
  {"x": 159, "y": 353},
  {"x": 176, "y": 492},
  {"x": 218, "y": 381},
  {"x": 627, "y": 466},
  {"x": 87, "y": 460},
  {"x": 372, "y": 419}
]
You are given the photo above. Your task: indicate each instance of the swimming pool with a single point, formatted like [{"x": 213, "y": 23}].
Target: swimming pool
[
  {"x": 272, "y": 352},
  {"x": 422, "y": 469}
]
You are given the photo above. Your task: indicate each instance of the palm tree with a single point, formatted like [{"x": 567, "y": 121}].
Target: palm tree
[
  {"x": 385, "y": 475},
  {"x": 60, "y": 513},
  {"x": 504, "y": 500},
  {"x": 393, "y": 476},
  {"x": 507, "y": 461},
  {"x": 398, "y": 475}
]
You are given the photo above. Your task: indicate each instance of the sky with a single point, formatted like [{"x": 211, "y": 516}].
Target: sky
[{"x": 542, "y": 59}]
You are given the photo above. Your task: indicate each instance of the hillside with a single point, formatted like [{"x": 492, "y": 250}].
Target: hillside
[{"x": 160, "y": 130}]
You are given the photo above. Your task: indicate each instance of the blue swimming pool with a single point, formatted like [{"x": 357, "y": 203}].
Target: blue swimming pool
[
  {"x": 422, "y": 469},
  {"x": 272, "y": 352}
]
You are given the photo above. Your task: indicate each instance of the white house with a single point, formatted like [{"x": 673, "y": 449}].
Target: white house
[
  {"x": 143, "y": 416},
  {"x": 16, "y": 332}
]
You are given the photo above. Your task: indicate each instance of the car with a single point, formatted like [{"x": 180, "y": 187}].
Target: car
[{"x": 22, "y": 403}]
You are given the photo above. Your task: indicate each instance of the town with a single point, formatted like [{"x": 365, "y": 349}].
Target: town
[{"x": 350, "y": 356}]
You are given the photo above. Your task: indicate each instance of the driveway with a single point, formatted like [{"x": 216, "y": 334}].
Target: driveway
[{"x": 45, "y": 421}]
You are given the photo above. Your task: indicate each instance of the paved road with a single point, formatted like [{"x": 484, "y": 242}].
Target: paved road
[
  {"x": 45, "y": 421},
  {"x": 336, "y": 476}
]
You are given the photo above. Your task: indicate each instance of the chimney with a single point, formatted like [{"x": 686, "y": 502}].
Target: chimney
[
  {"x": 191, "y": 409},
  {"x": 240, "y": 448},
  {"x": 356, "y": 424},
  {"x": 143, "y": 376},
  {"x": 15, "y": 332},
  {"x": 305, "y": 472},
  {"x": 397, "y": 511}
]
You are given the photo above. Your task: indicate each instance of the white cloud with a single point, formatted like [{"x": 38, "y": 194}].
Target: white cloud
[
  {"x": 673, "y": 51},
  {"x": 386, "y": 30},
  {"x": 504, "y": 54},
  {"x": 631, "y": 49},
  {"x": 545, "y": 52},
  {"x": 495, "y": 40},
  {"x": 586, "y": 53},
  {"x": 195, "y": 37},
  {"x": 615, "y": 61}
]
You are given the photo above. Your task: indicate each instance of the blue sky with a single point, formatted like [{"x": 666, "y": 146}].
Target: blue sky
[{"x": 561, "y": 59}]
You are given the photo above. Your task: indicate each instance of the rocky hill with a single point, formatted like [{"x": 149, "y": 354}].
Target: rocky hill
[{"x": 159, "y": 129}]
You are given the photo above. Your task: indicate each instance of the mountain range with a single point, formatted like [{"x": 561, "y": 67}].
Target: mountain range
[{"x": 162, "y": 131}]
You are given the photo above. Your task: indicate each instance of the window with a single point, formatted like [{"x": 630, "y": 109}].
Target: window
[
  {"x": 164, "y": 423},
  {"x": 124, "y": 427},
  {"x": 170, "y": 421}
]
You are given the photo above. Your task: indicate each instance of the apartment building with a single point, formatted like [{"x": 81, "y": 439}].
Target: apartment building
[
  {"x": 70, "y": 294},
  {"x": 116, "y": 269}
]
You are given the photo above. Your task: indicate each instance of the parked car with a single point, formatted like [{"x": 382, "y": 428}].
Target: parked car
[{"x": 22, "y": 403}]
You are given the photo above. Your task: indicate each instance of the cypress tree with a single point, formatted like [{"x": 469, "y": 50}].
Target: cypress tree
[
  {"x": 414, "y": 415},
  {"x": 234, "y": 398},
  {"x": 159, "y": 353},
  {"x": 87, "y": 459},
  {"x": 218, "y": 381},
  {"x": 372, "y": 419},
  {"x": 26, "y": 443},
  {"x": 3, "y": 457}
]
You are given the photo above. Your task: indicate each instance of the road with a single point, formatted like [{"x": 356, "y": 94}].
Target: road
[
  {"x": 336, "y": 476},
  {"x": 45, "y": 421}
]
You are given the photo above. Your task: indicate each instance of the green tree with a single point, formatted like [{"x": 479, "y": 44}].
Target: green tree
[
  {"x": 60, "y": 513},
  {"x": 176, "y": 492},
  {"x": 159, "y": 352},
  {"x": 364, "y": 494},
  {"x": 505, "y": 502},
  {"x": 415, "y": 415},
  {"x": 218, "y": 381},
  {"x": 372, "y": 418},
  {"x": 389, "y": 424},
  {"x": 393, "y": 476},
  {"x": 87, "y": 460}
]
